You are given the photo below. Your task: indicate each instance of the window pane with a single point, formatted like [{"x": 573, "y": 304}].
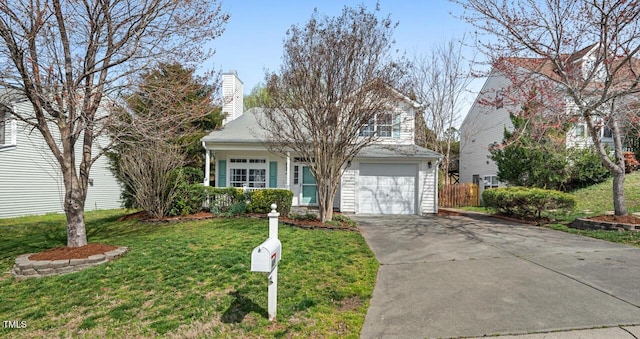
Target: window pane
[
  {"x": 366, "y": 131},
  {"x": 257, "y": 175},
  {"x": 238, "y": 177},
  {"x": 396, "y": 126},
  {"x": 384, "y": 131},
  {"x": 494, "y": 180},
  {"x": 385, "y": 119}
]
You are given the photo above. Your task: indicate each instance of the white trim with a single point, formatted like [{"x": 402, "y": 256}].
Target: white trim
[
  {"x": 207, "y": 166},
  {"x": 288, "y": 171}
]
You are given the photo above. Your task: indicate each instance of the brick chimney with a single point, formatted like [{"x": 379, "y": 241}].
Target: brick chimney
[{"x": 232, "y": 96}]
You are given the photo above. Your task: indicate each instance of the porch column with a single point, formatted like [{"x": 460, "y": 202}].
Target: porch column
[
  {"x": 288, "y": 170},
  {"x": 207, "y": 164}
]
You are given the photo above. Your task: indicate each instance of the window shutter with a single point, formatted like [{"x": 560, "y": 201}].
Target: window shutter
[
  {"x": 273, "y": 174},
  {"x": 222, "y": 173}
]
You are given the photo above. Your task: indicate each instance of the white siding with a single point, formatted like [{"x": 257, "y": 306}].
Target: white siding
[
  {"x": 232, "y": 94},
  {"x": 31, "y": 183},
  {"x": 427, "y": 188},
  {"x": 482, "y": 126},
  {"x": 348, "y": 189}
]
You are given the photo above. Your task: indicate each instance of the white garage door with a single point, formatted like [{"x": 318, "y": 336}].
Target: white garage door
[{"x": 387, "y": 188}]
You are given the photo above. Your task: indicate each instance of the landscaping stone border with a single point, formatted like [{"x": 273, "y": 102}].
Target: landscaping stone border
[
  {"x": 26, "y": 268},
  {"x": 588, "y": 224}
]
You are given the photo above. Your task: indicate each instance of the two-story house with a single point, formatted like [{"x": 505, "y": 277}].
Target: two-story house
[
  {"x": 488, "y": 117},
  {"x": 392, "y": 176}
]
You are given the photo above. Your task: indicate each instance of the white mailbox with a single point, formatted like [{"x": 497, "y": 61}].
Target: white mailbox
[{"x": 265, "y": 257}]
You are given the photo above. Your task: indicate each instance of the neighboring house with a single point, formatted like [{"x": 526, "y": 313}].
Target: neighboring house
[
  {"x": 31, "y": 181},
  {"x": 488, "y": 117},
  {"x": 393, "y": 176}
]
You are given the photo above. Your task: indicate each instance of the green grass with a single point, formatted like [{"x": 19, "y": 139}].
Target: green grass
[
  {"x": 598, "y": 199},
  {"x": 188, "y": 279},
  {"x": 623, "y": 237}
]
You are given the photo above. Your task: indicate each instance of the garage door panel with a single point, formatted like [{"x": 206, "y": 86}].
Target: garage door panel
[{"x": 387, "y": 188}]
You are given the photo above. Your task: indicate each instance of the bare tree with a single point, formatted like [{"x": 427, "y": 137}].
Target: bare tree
[
  {"x": 441, "y": 80},
  {"x": 159, "y": 132},
  {"x": 151, "y": 168},
  {"x": 335, "y": 80},
  {"x": 599, "y": 83},
  {"x": 67, "y": 57}
]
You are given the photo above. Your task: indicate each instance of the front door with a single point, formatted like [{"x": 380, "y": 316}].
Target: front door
[{"x": 309, "y": 190}]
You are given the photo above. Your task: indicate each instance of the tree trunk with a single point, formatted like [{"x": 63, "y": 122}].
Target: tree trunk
[
  {"x": 619, "y": 202},
  {"x": 326, "y": 209},
  {"x": 325, "y": 198},
  {"x": 74, "y": 200}
]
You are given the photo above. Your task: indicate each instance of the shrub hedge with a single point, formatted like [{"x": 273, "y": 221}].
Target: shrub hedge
[
  {"x": 527, "y": 202},
  {"x": 260, "y": 201},
  {"x": 228, "y": 200}
]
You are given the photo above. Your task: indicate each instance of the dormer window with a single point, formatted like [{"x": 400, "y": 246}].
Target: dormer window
[{"x": 383, "y": 125}]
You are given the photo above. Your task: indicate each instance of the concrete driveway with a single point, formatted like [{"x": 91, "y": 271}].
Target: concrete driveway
[{"x": 478, "y": 276}]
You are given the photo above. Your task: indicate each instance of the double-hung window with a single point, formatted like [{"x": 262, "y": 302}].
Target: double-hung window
[
  {"x": 383, "y": 125},
  {"x": 7, "y": 129},
  {"x": 248, "y": 172},
  {"x": 490, "y": 181}
]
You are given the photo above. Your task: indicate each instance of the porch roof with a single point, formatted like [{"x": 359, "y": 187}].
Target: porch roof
[{"x": 397, "y": 151}]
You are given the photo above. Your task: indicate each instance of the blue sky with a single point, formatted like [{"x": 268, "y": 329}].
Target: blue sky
[{"x": 252, "y": 41}]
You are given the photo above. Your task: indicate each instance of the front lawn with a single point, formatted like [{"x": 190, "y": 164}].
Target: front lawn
[{"x": 188, "y": 279}]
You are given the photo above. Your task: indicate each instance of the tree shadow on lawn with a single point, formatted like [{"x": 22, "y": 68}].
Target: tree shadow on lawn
[
  {"x": 22, "y": 239},
  {"x": 240, "y": 307}
]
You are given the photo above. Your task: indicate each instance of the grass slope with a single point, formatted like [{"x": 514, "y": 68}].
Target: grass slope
[
  {"x": 598, "y": 199},
  {"x": 188, "y": 279}
]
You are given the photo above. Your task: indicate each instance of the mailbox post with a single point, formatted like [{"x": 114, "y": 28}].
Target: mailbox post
[{"x": 265, "y": 258}]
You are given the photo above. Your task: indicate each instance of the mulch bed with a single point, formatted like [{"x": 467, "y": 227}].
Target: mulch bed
[
  {"x": 623, "y": 219},
  {"x": 65, "y": 253}
]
